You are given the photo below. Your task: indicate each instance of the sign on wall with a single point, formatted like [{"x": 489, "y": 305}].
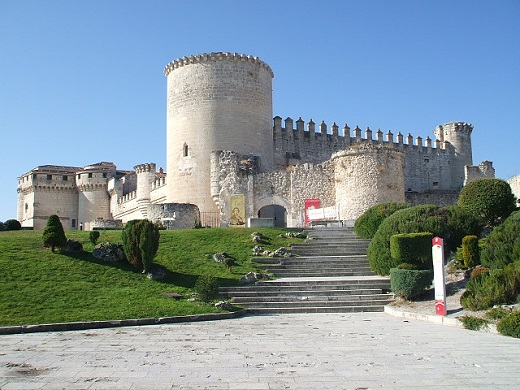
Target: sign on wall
[
  {"x": 238, "y": 210},
  {"x": 310, "y": 204}
]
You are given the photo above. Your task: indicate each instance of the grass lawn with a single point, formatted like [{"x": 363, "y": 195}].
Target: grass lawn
[{"x": 38, "y": 286}]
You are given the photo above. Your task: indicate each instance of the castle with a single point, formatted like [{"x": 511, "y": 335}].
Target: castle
[{"x": 229, "y": 162}]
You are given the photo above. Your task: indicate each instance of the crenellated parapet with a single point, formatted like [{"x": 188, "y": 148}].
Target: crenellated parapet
[
  {"x": 216, "y": 56},
  {"x": 307, "y": 143},
  {"x": 147, "y": 167}
]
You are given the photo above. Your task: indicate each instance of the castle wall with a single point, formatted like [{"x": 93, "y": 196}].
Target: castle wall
[
  {"x": 514, "y": 182},
  {"x": 217, "y": 101},
  {"x": 483, "y": 170},
  {"x": 366, "y": 175},
  {"x": 428, "y": 163}
]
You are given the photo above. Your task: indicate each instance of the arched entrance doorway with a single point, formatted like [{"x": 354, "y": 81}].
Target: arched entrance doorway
[{"x": 278, "y": 213}]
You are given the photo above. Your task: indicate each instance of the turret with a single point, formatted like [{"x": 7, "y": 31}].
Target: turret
[{"x": 458, "y": 134}]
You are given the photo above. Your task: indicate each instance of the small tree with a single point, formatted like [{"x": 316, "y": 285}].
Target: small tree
[
  {"x": 489, "y": 199},
  {"x": 140, "y": 242},
  {"x": 53, "y": 234},
  {"x": 93, "y": 236},
  {"x": 12, "y": 224}
]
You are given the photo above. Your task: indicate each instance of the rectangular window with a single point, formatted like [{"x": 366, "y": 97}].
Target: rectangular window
[
  {"x": 65, "y": 178},
  {"x": 79, "y": 176},
  {"x": 90, "y": 175},
  {"x": 73, "y": 223},
  {"x": 104, "y": 175},
  {"x": 49, "y": 177}
]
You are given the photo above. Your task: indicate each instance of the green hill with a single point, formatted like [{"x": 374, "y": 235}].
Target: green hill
[{"x": 38, "y": 286}]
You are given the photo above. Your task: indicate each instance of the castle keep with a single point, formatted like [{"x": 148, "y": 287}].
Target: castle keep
[{"x": 229, "y": 160}]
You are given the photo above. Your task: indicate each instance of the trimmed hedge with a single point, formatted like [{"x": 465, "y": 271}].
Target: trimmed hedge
[
  {"x": 368, "y": 223},
  {"x": 412, "y": 248},
  {"x": 409, "y": 284},
  {"x": 503, "y": 244},
  {"x": 450, "y": 223}
]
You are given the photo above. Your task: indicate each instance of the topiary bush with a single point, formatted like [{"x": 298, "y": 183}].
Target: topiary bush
[
  {"x": 470, "y": 251},
  {"x": 412, "y": 248},
  {"x": 442, "y": 222},
  {"x": 368, "y": 223},
  {"x": 12, "y": 224},
  {"x": 495, "y": 287},
  {"x": 140, "y": 242},
  {"x": 489, "y": 199},
  {"x": 409, "y": 284},
  {"x": 93, "y": 236},
  {"x": 510, "y": 325},
  {"x": 53, "y": 234},
  {"x": 502, "y": 246},
  {"x": 207, "y": 288}
]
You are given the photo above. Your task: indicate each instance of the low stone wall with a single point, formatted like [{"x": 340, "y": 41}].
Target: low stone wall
[{"x": 175, "y": 215}]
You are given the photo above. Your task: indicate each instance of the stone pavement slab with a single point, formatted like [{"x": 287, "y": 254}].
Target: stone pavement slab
[{"x": 296, "y": 351}]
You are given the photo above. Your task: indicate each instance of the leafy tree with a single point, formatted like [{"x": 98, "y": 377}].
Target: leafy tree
[
  {"x": 53, "y": 234},
  {"x": 489, "y": 199},
  {"x": 503, "y": 244},
  {"x": 12, "y": 224},
  {"x": 140, "y": 243}
]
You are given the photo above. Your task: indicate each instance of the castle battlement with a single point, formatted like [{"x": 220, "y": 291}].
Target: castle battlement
[
  {"x": 215, "y": 56},
  {"x": 308, "y": 143}
]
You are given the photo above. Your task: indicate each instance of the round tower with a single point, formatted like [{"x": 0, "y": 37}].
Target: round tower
[
  {"x": 366, "y": 175},
  {"x": 458, "y": 134},
  {"x": 216, "y": 101},
  {"x": 93, "y": 196},
  {"x": 145, "y": 177}
]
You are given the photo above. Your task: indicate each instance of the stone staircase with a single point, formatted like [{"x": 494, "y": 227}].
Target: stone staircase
[{"x": 330, "y": 274}]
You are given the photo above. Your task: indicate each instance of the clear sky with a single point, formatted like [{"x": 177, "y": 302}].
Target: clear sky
[{"x": 82, "y": 81}]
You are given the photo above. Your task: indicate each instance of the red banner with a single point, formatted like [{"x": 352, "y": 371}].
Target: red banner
[{"x": 309, "y": 205}]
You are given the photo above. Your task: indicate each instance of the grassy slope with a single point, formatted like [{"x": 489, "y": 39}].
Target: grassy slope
[{"x": 38, "y": 286}]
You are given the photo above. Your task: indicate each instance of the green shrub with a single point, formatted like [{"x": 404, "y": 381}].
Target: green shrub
[
  {"x": 368, "y": 223},
  {"x": 206, "y": 288},
  {"x": 497, "y": 313},
  {"x": 408, "y": 266},
  {"x": 12, "y": 224},
  {"x": 470, "y": 251},
  {"x": 53, "y": 234},
  {"x": 409, "y": 284},
  {"x": 491, "y": 288},
  {"x": 503, "y": 244},
  {"x": 510, "y": 325},
  {"x": 489, "y": 199},
  {"x": 473, "y": 323},
  {"x": 140, "y": 242},
  {"x": 412, "y": 248},
  {"x": 442, "y": 222},
  {"x": 477, "y": 271},
  {"x": 93, "y": 236}
]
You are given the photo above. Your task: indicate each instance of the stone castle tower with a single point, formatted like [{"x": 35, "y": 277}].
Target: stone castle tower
[{"x": 217, "y": 101}]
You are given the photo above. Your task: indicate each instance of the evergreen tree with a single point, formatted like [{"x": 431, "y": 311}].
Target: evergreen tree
[
  {"x": 53, "y": 234},
  {"x": 140, "y": 243}
]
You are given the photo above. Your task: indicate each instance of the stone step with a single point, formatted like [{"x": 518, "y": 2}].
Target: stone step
[
  {"x": 331, "y": 274},
  {"x": 307, "y": 300},
  {"x": 316, "y": 309},
  {"x": 289, "y": 291},
  {"x": 329, "y": 251},
  {"x": 310, "y": 261},
  {"x": 309, "y": 303}
]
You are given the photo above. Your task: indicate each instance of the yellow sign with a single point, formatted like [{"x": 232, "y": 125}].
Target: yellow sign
[{"x": 238, "y": 210}]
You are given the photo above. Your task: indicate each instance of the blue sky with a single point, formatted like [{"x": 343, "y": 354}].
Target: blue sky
[{"x": 82, "y": 82}]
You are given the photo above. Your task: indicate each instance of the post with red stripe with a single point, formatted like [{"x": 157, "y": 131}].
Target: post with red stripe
[{"x": 439, "y": 276}]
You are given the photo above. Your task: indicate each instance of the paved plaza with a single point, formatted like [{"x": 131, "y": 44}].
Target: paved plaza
[{"x": 300, "y": 351}]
